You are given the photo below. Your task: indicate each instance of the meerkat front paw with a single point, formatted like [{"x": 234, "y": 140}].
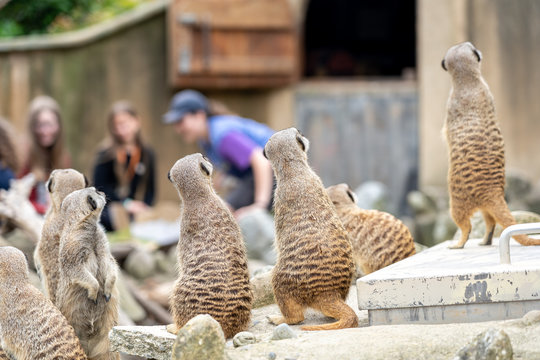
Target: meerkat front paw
[
  {"x": 275, "y": 319},
  {"x": 172, "y": 328},
  {"x": 93, "y": 294},
  {"x": 456, "y": 246}
]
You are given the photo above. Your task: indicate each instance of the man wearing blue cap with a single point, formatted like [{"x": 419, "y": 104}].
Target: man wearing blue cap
[{"x": 232, "y": 143}]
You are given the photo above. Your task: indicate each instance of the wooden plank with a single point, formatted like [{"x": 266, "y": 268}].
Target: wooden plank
[{"x": 235, "y": 14}]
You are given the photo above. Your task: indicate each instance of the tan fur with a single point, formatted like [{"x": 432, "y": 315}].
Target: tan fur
[
  {"x": 314, "y": 266},
  {"x": 476, "y": 148},
  {"x": 212, "y": 264},
  {"x": 378, "y": 239},
  {"x": 31, "y": 327},
  {"x": 60, "y": 184},
  {"x": 87, "y": 294}
]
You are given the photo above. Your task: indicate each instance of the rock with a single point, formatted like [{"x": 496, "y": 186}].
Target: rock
[
  {"x": 272, "y": 356},
  {"x": 419, "y": 247},
  {"x": 492, "y": 344},
  {"x": 258, "y": 231},
  {"x": 263, "y": 270},
  {"x": 282, "y": 332},
  {"x": 444, "y": 228},
  {"x": 127, "y": 302},
  {"x": 140, "y": 263},
  {"x": 263, "y": 293},
  {"x": 164, "y": 263},
  {"x": 478, "y": 227},
  {"x": 421, "y": 203},
  {"x": 201, "y": 338},
  {"x": 531, "y": 318},
  {"x": 21, "y": 239},
  {"x": 424, "y": 227},
  {"x": 518, "y": 185},
  {"x": 372, "y": 195},
  {"x": 244, "y": 338},
  {"x": 153, "y": 342}
]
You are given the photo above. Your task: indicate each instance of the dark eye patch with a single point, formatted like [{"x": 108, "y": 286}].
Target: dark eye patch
[
  {"x": 443, "y": 64},
  {"x": 205, "y": 169},
  {"x": 92, "y": 202},
  {"x": 477, "y": 55},
  {"x": 301, "y": 142}
]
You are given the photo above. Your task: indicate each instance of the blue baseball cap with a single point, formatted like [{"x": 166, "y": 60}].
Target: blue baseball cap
[{"x": 184, "y": 102}]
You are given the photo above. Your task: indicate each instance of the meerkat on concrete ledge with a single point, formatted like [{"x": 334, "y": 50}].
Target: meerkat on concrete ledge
[
  {"x": 87, "y": 293},
  {"x": 60, "y": 184},
  {"x": 314, "y": 266},
  {"x": 475, "y": 147},
  {"x": 31, "y": 327},
  {"x": 378, "y": 238},
  {"x": 212, "y": 264}
]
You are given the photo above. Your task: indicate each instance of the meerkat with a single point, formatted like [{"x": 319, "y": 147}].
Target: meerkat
[
  {"x": 31, "y": 327},
  {"x": 314, "y": 266},
  {"x": 60, "y": 184},
  {"x": 476, "y": 149},
  {"x": 87, "y": 293},
  {"x": 212, "y": 264},
  {"x": 378, "y": 238}
]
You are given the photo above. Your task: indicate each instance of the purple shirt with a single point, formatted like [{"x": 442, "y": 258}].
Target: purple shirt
[{"x": 237, "y": 148}]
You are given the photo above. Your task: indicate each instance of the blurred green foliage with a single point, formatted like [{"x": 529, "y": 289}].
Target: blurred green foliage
[{"x": 26, "y": 17}]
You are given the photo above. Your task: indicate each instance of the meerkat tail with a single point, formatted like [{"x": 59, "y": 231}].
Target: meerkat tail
[
  {"x": 335, "y": 307},
  {"x": 502, "y": 215}
]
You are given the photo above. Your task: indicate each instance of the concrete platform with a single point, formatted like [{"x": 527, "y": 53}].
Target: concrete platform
[{"x": 441, "y": 285}]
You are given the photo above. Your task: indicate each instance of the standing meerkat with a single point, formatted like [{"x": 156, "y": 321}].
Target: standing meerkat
[
  {"x": 476, "y": 148},
  {"x": 378, "y": 238},
  {"x": 212, "y": 265},
  {"x": 31, "y": 327},
  {"x": 60, "y": 184},
  {"x": 314, "y": 266},
  {"x": 87, "y": 294}
]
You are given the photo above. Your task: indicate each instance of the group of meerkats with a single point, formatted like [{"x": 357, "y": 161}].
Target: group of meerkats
[{"x": 322, "y": 239}]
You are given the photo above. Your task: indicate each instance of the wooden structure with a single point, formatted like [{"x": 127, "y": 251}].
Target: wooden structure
[{"x": 232, "y": 44}]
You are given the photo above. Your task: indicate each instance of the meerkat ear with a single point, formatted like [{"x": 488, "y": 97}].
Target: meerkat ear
[
  {"x": 478, "y": 54},
  {"x": 92, "y": 202},
  {"x": 443, "y": 64},
  {"x": 264, "y": 153},
  {"x": 169, "y": 176},
  {"x": 86, "y": 182},
  {"x": 50, "y": 184}
]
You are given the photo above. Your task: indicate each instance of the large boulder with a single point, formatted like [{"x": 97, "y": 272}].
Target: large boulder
[
  {"x": 258, "y": 231},
  {"x": 492, "y": 344},
  {"x": 201, "y": 338}
]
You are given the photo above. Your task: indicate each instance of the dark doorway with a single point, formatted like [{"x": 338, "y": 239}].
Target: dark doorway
[{"x": 360, "y": 38}]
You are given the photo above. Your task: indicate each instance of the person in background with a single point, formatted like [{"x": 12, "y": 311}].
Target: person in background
[
  {"x": 45, "y": 150},
  {"x": 9, "y": 162},
  {"x": 232, "y": 143},
  {"x": 124, "y": 167}
]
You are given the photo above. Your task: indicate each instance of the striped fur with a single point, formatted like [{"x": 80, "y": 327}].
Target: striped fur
[
  {"x": 314, "y": 266},
  {"x": 31, "y": 327},
  {"x": 476, "y": 148},
  {"x": 378, "y": 239},
  {"x": 212, "y": 264}
]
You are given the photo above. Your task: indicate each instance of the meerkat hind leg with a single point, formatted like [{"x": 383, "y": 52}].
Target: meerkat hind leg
[
  {"x": 490, "y": 227},
  {"x": 464, "y": 223},
  {"x": 293, "y": 313}
]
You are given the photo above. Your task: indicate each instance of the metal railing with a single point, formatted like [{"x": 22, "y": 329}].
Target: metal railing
[{"x": 518, "y": 229}]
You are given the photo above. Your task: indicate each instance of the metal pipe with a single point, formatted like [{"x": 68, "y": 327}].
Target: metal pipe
[{"x": 518, "y": 229}]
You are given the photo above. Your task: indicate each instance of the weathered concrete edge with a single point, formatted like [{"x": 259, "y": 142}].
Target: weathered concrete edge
[{"x": 87, "y": 35}]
